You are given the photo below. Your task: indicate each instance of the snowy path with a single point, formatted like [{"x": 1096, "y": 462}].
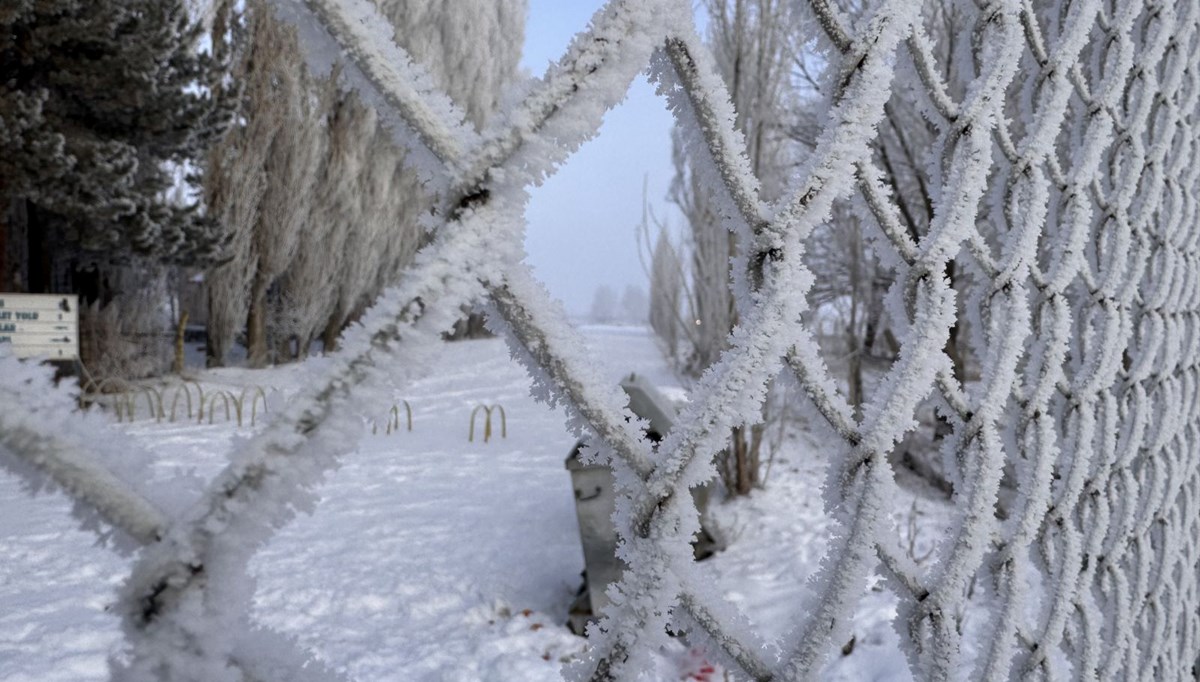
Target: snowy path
[
  {"x": 426, "y": 549},
  {"x": 429, "y": 558},
  {"x": 443, "y": 559}
]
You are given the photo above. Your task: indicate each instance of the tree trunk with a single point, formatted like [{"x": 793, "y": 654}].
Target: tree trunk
[
  {"x": 854, "y": 372},
  {"x": 16, "y": 256},
  {"x": 952, "y": 347},
  {"x": 741, "y": 460},
  {"x": 256, "y": 327},
  {"x": 6, "y": 278},
  {"x": 469, "y": 327},
  {"x": 284, "y": 351},
  {"x": 180, "y": 332},
  {"x": 214, "y": 344},
  {"x": 333, "y": 329},
  {"x": 38, "y": 266}
]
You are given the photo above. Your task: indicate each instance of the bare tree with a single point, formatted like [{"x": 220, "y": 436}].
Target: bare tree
[
  {"x": 635, "y": 308},
  {"x": 749, "y": 40},
  {"x": 604, "y": 305},
  {"x": 666, "y": 291},
  {"x": 843, "y": 293},
  {"x": 906, "y": 175}
]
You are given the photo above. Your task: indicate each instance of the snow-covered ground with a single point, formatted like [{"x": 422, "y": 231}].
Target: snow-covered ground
[{"x": 430, "y": 557}]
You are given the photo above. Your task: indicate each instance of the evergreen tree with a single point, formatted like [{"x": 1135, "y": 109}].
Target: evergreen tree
[{"x": 102, "y": 104}]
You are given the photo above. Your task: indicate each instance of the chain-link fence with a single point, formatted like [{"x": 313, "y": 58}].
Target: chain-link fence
[{"x": 1064, "y": 183}]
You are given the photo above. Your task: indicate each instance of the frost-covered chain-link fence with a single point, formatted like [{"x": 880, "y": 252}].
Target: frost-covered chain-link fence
[{"x": 1063, "y": 183}]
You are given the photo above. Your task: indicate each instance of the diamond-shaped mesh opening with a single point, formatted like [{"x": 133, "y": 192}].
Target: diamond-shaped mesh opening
[{"x": 592, "y": 222}]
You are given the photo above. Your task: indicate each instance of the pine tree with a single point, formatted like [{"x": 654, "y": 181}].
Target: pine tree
[{"x": 102, "y": 102}]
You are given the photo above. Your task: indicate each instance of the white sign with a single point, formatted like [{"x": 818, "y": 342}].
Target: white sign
[{"x": 40, "y": 325}]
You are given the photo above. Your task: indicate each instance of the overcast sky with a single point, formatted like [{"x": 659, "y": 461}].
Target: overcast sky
[{"x": 583, "y": 221}]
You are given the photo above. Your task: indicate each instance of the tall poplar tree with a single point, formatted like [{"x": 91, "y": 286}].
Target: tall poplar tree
[{"x": 324, "y": 211}]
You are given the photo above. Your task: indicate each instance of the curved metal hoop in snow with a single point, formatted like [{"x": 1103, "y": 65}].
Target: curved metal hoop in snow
[
  {"x": 393, "y": 422},
  {"x": 394, "y": 417},
  {"x": 1066, "y": 181},
  {"x": 181, "y": 389},
  {"x": 487, "y": 422}
]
